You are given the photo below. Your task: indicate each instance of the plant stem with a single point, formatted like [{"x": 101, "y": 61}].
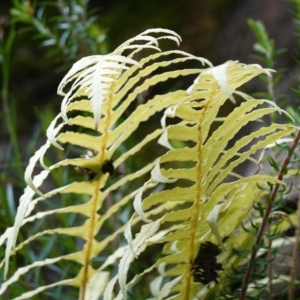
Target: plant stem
[
  {"x": 8, "y": 115},
  {"x": 295, "y": 256},
  {"x": 261, "y": 230},
  {"x": 270, "y": 267}
]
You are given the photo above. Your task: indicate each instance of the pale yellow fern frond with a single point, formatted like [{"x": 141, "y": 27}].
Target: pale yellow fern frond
[
  {"x": 209, "y": 209},
  {"x": 97, "y": 92},
  {"x": 188, "y": 193}
]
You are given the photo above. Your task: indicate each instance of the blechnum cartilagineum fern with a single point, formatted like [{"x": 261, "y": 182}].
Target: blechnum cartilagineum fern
[{"x": 186, "y": 203}]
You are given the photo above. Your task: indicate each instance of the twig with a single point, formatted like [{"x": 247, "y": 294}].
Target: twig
[{"x": 261, "y": 230}]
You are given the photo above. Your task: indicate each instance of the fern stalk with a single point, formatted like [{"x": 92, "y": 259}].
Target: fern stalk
[
  {"x": 262, "y": 228},
  {"x": 198, "y": 203},
  {"x": 94, "y": 215}
]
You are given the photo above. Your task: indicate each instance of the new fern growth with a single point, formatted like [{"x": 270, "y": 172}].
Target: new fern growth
[{"x": 190, "y": 197}]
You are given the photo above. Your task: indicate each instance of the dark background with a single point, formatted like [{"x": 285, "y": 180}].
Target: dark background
[{"x": 215, "y": 29}]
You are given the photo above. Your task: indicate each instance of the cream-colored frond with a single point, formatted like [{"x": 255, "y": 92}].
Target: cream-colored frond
[
  {"x": 211, "y": 200},
  {"x": 98, "y": 91},
  {"x": 92, "y": 77},
  {"x": 107, "y": 99}
]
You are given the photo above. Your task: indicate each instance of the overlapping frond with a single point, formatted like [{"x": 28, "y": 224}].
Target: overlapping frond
[
  {"x": 97, "y": 91},
  {"x": 210, "y": 209}
]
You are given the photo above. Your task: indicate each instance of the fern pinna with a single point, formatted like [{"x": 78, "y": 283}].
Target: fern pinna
[{"x": 186, "y": 199}]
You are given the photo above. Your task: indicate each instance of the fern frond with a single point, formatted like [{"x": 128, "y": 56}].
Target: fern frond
[
  {"x": 194, "y": 200},
  {"x": 92, "y": 77},
  {"x": 211, "y": 209},
  {"x": 97, "y": 92}
]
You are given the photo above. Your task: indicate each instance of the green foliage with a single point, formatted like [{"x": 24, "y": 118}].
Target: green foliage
[
  {"x": 264, "y": 45},
  {"x": 69, "y": 33}
]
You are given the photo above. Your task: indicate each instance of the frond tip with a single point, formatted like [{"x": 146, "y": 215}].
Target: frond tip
[{"x": 93, "y": 78}]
